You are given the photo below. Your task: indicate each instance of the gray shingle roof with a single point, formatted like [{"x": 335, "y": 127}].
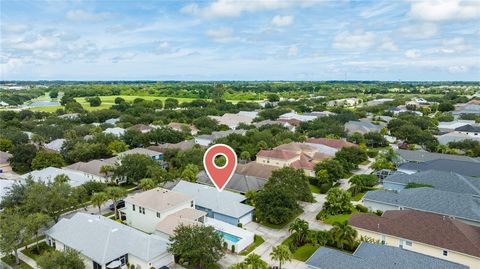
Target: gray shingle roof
[
  {"x": 375, "y": 256},
  {"x": 440, "y": 180},
  {"x": 430, "y": 200},
  {"x": 424, "y": 156},
  {"x": 103, "y": 240},
  {"x": 461, "y": 167},
  {"x": 238, "y": 183},
  {"x": 224, "y": 202}
]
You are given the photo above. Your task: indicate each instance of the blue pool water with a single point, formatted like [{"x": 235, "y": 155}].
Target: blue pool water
[
  {"x": 45, "y": 103},
  {"x": 230, "y": 237}
]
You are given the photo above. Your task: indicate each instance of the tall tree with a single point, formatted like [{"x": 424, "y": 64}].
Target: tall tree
[
  {"x": 35, "y": 222},
  {"x": 300, "y": 229},
  {"x": 202, "y": 255},
  {"x": 12, "y": 232},
  {"x": 282, "y": 254},
  {"x": 22, "y": 157},
  {"x": 115, "y": 194},
  {"x": 61, "y": 260},
  {"x": 343, "y": 235},
  {"x": 98, "y": 199},
  {"x": 147, "y": 184},
  {"x": 190, "y": 172}
]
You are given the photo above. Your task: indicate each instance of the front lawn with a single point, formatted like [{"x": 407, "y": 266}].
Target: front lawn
[
  {"x": 10, "y": 260},
  {"x": 257, "y": 241},
  {"x": 33, "y": 253},
  {"x": 339, "y": 218},
  {"x": 358, "y": 197},
  {"x": 304, "y": 252},
  {"x": 314, "y": 188},
  {"x": 281, "y": 225}
]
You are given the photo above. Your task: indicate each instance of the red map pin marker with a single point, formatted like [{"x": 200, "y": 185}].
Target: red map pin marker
[{"x": 220, "y": 176}]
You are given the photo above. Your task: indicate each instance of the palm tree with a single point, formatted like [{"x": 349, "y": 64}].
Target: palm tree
[
  {"x": 106, "y": 169},
  {"x": 262, "y": 145},
  {"x": 343, "y": 234},
  {"x": 300, "y": 228},
  {"x": 255, "y": 261},
  {"x": 114, "y": 194},
  {"x": 98, "y": 199},
  {"x": 245, "y": 156},
  {"x": 282, "y": 254},
  {"x": 62, "y": 178},
  {"x": 147, "y": 184}
]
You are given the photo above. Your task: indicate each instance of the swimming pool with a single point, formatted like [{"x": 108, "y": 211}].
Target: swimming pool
[{"x": 230, "y": 237}]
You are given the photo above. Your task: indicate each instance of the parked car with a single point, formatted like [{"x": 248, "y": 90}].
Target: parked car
[{"x": 120, "y": 204}]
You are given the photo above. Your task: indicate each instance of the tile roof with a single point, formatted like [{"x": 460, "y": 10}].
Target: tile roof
[
  {"x": 277, "y": 154},
  {"x": 423, "y": 156},
  {"x": 468, "y": 128},
  {"x": 48, "y": 175},
  {"x": 225, "y": 202},
  {"x": 158, "y": 199},
  {"x": 303, "y": 164},
  {"x": 184, "y": 145},
  {"x": 375, "y": 256},
  {"x": 430, "y": 200},
  {"x": 333, "y": 143},
  {"x": 255, "y": 169},
  {"x": 440, "y": 180},
  {"x": 103, "y": 240},
  {"x": 238, "y": 183},
  {"x": 423, "y": 227},
  {"x": 92, "y": 167},
  {"x": 461, "y": 167}
]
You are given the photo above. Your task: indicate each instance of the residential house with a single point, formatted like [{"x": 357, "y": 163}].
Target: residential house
[
  {"x": 48, "y": 174},
  {"x": 91, "y": 169},
  {"x": 70, "y": 116},
  {"x": 233, "y": 120},
  {"x": 430, "y": 234},
  {"x": 418, "y": 156},
  {"x": 287, "y": 125},
  {"x": 347, "y": 102},
  {"x": 4, "y": 163},
  {"x": 55, "y": 145},
  {"x": 472, "y": 130},
  {"x": 450, "y": 126},
  {"x": 440, "y": 180},
  {"x": 277, "y": 157},
  {"x": 416, "y": 102},
  {"x": 377, "y": 102},
  {"x": 459, "y": 206},
  {"x": 362, "y": 127},
  {"x": 329, "y": 146},
  {"x": 254, "y": 169},
  {"x": 180, "y": 127},
  {"x": 142, "y": 128},
  {"x": 116, "y": 131},
  {"x": 465, "y": 168},
  {"x": 112, "y": 121},
  {"x": 205, "y": 140},
  {"x": 161, "y": 211},
  {"x": 105, "y": 243},
  {"x": 294, "y": 116},
  {"x": 468, "y": 108},
  {"x": 5, "y": 185},
  {"x": 238, "y": 183},
  {"x": 320, "y": 114},
  {"x": 184, "y": 145},
  {"x": 155, "y": 155},
  {"x": 146, "y": 209},
  {"x": 376, "y": 256},
  {"x": 225, "y": 206},
  {"x": 456, "y": 137}
]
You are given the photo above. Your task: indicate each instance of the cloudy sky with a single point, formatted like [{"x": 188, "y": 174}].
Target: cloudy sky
[{"x": 240, "y": 40}]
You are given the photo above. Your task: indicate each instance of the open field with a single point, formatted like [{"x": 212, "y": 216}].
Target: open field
[{"x": 107, "y": 101}]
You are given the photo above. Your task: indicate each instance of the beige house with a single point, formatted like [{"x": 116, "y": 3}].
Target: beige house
[
  {"x": 426, "y": 233},
  {"x": 277, "y": 157},
  {"x": 181, "y": 127}
]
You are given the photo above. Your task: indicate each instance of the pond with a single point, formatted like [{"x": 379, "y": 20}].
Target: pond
[{"x": 45, "y": 103}]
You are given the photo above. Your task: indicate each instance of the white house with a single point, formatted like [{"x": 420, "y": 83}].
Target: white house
[
  {"x": 293, "y": 115},
  {"x": 205, "y": 140},
  {"x": 117, "y": 131},
  {"x": 104, "y": 243},
  {"x": 55, "y": 145},
  {"x": 48, "y": 175}
]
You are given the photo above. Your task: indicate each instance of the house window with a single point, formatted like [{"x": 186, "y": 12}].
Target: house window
[
  {"x": 191, "y": 203},
  {"x": 133, "y": 207},
  {"x": 408, "y": 243},
  {"x": 158, "y": 215},
  {"x": 445, "y": 253},
  {"x": 143, "y": 210}
]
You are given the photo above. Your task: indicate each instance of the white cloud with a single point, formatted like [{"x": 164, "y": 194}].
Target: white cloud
[
  {"x": 292, "y": 51},
  {"x": 388, "y": 45},
  {"x": 456, "y": 44},
  {"x": 457, "y": 69},
  {"x": 282, "y": 21},
  {"x": 40, "y": 42},
  {"x": 82, "y": 15},
  {"x": 412, "y": 53},
  {"x": 222, "y": 34},
  {"x": 14, "y": 28},
  {"x": 234, "y": 8},
  {"x": 353, "y": 40},
  {"x": 123, "y": 57},
  {"x": 426, "y": 30},
  {"x": 164, "y": 45},
  {"x": 444, "y": 10}
]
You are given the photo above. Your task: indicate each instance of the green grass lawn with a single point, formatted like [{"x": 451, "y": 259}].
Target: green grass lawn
[
  {"x": 304, "y": 252},
  {"x": 358, "y": 197},
  {"x": 258, "y": 240},
  {"x": 107, "y": 101},
  {"x": 10, "y": 260},
  {"x": 339, "y": 218},
  {"x": 314, "y": 188},
  {"x": 281, "y": 225},
  {"x": 34, "y": 254}
]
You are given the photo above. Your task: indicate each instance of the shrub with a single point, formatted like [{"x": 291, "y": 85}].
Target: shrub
[
  {"x": 361, "y": 208},
  {"x": 372, "y": 153},
  {"x": 379, "y": 212},
  {"x": 239, "y": 225},
  {"x": 233, "y": 248}
]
